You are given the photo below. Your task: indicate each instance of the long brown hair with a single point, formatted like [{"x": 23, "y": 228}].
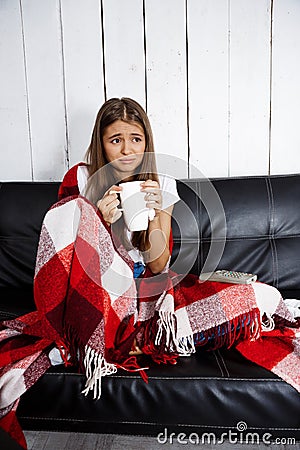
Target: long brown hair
[{"x": 127, "y": 110}]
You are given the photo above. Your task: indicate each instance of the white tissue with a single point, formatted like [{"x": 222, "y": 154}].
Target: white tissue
[
  {"x": 293, "y": 305},
  {"x": 151, "y": 214}
]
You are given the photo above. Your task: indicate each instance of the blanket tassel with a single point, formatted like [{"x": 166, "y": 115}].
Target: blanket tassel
[
  {"x": 167, "y": 329},
  {"x": 96, "y": 367},
  {"x": 131, "y": 365}
]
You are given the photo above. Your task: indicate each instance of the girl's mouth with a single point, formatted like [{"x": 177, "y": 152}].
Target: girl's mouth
[{"x": 127, "y": 160}]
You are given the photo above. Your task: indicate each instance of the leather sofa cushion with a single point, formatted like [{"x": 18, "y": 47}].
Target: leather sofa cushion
[{"x": 210, "y": 391}]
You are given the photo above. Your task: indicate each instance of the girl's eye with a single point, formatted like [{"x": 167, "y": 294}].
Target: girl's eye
[
  {"x": 116, "y": 141},
  {"x": 137, "y": 139}
]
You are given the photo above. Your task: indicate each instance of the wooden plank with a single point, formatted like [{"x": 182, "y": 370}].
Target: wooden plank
[
  {"x": 83, "y": 71},
  {"x": 124, "y": 49},
  {"x": 167, "y": 82},
  {"x": 249, "y": 87},
  {"x": 42, "y": 32},
  {"x": 15, "y": 157},
  {"x": 208, "y": 86},
  {"x": 285, "y": 137}
]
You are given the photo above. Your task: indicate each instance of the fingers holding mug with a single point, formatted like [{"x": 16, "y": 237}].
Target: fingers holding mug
[
  {"x": 108, "y": 205},
  {"x": 154, "y": 200},
  {"x": 153, "y": 195}
]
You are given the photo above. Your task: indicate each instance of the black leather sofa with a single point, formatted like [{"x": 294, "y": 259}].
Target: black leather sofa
[{"x": 210, "y": 392}]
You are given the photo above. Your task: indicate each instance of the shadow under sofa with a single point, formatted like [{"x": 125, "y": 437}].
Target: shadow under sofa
[{"x": 209, "y": 392}]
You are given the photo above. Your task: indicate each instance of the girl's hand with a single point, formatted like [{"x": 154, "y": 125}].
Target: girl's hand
[
  {"x": 108, "y": 205},
  {"x": 153, "y": 195}
]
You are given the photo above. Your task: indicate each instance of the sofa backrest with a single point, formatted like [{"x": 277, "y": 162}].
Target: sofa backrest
[
  {"x": 262, "y": 227},
  {"x": 261, "y": 215},
  {"x": 22, "y": 208}
]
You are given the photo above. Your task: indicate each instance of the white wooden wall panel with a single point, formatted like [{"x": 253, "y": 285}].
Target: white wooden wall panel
[
  {"x": 285, "y": 136},
  {"x": 208, "y": 86},
  {"x": 15, "y": 157},
  {"x": 83, "y": 72},
  {"x": 166, "y": 82},
  {"x": 124, "y": 49},
  {"x": 42, "y": 31},
  {"x": 249, "y": 87},
  {"x": 208, "y": 71}
]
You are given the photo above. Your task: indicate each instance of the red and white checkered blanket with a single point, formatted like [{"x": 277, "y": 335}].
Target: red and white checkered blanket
[{"x": 89, "y": 306}]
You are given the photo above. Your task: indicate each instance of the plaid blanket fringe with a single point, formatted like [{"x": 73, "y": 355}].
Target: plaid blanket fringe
[
  {"x": 94, "y": 310},
  {"x": 244, "y": 327}
]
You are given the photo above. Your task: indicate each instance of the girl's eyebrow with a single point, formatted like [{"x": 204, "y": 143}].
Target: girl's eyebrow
[
  {"x": 114, "y": 135},
  {"x": 120, "y": 134}
]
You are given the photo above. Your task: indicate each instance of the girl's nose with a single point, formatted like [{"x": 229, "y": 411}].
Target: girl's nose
[{"x": 126, "y": 148}]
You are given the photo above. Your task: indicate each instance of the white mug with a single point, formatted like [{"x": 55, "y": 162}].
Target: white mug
[{"x": 133, "y": 205}]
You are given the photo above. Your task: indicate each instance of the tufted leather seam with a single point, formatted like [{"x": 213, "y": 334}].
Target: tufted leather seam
[
  {"x": 19, "y": 238},
  {"x": 224, "y": 363},
  {"x": 215, "y": 353},
  {"x": 272, "y": 233},
  {"x": 199, "y": 206},
  {"x": 7, "y": 315},
  {"x": 276, "y": 268},
  {"x": 271, "y": 227},
  {"x": 137, "y": 377},
  {"x": 240, "y": 238},
  {"x": 156, "y": 423}
]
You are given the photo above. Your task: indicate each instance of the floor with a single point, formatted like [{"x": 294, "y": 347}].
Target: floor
[{"x": 85, "y": 441}]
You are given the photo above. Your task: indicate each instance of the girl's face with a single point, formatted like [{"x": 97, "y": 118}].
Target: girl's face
[{"x": 124, "y": 146}]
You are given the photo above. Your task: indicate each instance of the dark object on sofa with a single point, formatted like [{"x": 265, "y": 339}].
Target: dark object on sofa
[
  {"x": 210, "y": 392},
  {"x": 7, "y": 443}
]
